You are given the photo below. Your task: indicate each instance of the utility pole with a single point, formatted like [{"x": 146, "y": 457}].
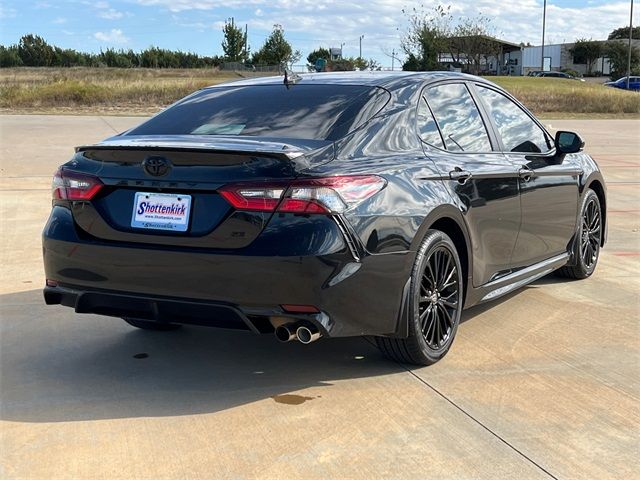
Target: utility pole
[
  {"x": 361, "y": 37},
  {"x": 245, "y": 42},
  {"x": 630, "y": 45},
  {"x": 393, "y": 57},
  {"x": 544, "y": 24}
]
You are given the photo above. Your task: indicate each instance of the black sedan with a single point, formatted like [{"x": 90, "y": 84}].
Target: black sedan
[{"x": 324, "y": 205}]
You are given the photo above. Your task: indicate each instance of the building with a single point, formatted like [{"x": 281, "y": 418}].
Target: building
[
  {"x": 559, "y": 57},
  {"x": 491, "y": 56}
]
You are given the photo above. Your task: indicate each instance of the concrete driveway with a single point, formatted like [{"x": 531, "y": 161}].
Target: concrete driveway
[{"x": 542, "y": 384}]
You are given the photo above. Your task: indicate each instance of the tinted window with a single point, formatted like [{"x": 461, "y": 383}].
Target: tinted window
[
  {"x": 518, "y": 131},
  {"x": 427, "y": 126},
  {"x": 318, "y": 112},
  {"x": 458, "y": 117}
]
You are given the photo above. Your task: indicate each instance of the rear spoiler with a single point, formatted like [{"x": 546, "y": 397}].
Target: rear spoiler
[{"x": 193, "y": 143}]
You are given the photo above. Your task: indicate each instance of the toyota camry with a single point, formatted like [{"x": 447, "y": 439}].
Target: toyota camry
[{"x": 324, "y": 205}]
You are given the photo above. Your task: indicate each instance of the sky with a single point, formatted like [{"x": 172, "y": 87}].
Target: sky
[{"x": 195, "y": 25}]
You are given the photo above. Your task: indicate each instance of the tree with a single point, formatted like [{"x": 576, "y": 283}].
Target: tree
[
  {"x": 586, "y": 52},
  {"x": 295, "y": 57},
  {"x": 618, "y": 52},
  {"x": 426, "y": 38},
  {"x": 234, "y": 42},
  {"x": 622, "y": 33},
  {"x": 276, "y": 50},
  {"x": 412, "y": 64},
  {"x": 320, "y": 52},
  {"x": 9, "y": 57},
  {"x": 472, "y": 43},
  {"x": 362, "y": 64},
  {"x": 34, "y": 51}
]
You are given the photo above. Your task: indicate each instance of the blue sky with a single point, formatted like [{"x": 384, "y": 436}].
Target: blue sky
[{"x": 195, "y": 25}]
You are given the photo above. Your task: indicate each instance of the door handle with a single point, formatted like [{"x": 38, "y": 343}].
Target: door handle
[
  {"x": 462, "y": 176},
  {"x": 526, "y": 173}
]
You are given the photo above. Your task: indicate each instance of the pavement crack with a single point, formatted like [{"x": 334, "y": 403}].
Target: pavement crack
[
  {"x": 109, "y": 125},
  {"x": 474, "y": 419}
]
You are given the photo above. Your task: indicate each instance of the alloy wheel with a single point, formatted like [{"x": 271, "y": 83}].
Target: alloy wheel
[
  {"x": 439, "y": 297},
  {"x": 590, "y": 238}
]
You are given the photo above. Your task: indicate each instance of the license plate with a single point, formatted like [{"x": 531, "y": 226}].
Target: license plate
[{"x": 161, "y": 211}]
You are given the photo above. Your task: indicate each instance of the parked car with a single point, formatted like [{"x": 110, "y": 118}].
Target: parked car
[
  {"x": 559, "y": 75},
  {"x": 634, "y": 83},
  {"x": 327, "y": 205},
  {"x": 534, "y": 73}
]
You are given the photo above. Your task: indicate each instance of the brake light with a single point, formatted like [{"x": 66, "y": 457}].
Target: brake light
[
  {"x": 316, "y": 195},
  {"x": 74, "y": 186}
]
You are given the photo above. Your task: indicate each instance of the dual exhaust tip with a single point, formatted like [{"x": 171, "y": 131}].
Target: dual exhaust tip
[{"x": 305, "y": 333}]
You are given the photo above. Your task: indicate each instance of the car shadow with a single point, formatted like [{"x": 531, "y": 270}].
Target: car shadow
[{"x": 58, "y": 366}]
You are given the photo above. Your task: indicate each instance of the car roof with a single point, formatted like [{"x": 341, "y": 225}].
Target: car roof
[{"x": 388, "y": 80}]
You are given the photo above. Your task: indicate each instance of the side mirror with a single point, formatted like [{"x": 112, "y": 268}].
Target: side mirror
[{"x": 568, "y": 142}]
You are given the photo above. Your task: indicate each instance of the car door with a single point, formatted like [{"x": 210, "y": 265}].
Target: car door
[
  {"x": 484, "y": 184},
  {"x": 549, "y": 184}
]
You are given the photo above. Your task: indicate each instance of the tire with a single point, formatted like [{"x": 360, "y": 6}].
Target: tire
[
  {"x": 435, "y": 312},
  {"x": 151, "y": 325},
  {"x": 588, "y": 238}
]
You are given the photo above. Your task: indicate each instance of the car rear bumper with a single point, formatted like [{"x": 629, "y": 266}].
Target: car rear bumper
[{"x": 240, "y": 289}]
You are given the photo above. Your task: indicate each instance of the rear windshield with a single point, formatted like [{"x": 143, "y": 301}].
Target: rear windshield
[{"x": 315, "y": 112}]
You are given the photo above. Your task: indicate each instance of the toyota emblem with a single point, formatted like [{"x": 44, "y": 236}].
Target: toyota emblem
[{"x": 156, "y": 166}]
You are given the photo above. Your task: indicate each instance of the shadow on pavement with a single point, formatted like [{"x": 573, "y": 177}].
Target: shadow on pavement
[{"x": 57, "y": 366}]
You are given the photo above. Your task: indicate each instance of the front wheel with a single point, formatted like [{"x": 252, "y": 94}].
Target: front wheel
[
  {"x": 435, "y": 304},
  {"x": 586, "y": 250}
]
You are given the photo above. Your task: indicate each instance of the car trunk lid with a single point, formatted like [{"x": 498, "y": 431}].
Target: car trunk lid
[{"x": 164, "y": 190}]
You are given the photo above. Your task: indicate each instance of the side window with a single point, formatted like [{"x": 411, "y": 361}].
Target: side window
[
  {"x": 457, "y": 115},
  {"x": 427, "y": 127},
  {"x": 518, "y": 131}
]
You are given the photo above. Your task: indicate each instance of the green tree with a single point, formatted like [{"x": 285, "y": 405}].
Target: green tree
[
  {"x": 320, "y": 52},
  {"x": 426, "y": 37},
  {"x": 412, "y": 64},
  {"x": 586, "y": 52},
  {"x": 341, "y": 65},
  {"x": 233, "y": 43},
  {"x": 622, "y": 33},
  {"x": 618, "y": 52},
  {"x": 276, "y": 50},
  {"x": 362, "y": 64},
  {"x": 34, "y": 51},
  {"x": 9, "y": 57}
]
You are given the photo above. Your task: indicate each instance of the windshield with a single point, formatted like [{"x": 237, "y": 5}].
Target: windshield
[{"x": 315, "y": 112}]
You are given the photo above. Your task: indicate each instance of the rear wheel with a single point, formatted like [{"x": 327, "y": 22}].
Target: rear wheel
[
  {"x": 586, "y": 250},
  {"x": 435, "y": 304},
  {"x": 151, "y": 325}
]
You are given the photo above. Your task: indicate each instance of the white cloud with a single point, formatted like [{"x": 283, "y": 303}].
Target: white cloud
[
  {"x": 110, "y": 14},
  {"x": 6, "y": 12},
  {"x": 114, "y": 36},
  {"x": 312, "y": 23},
  {"x": 59, "y": 20}
]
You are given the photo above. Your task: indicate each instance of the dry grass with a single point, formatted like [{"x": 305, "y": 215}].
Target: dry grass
[
  {"x": 100, "y": 90},
  {"x": 145, "y": 91},
  {"x": 553, "y": 97}
]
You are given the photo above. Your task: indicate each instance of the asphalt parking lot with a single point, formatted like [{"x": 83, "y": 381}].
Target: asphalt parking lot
[{"x": 542, "y": 384}]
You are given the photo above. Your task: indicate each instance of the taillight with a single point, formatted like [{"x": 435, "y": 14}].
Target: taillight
[
  {"x": 74, "y": 186},
  {"x": 317, "y": 195}
]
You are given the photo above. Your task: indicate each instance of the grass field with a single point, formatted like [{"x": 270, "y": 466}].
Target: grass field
[
  {"x": 145, "y": 91},
  {"x": 136, "y": 91}
]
